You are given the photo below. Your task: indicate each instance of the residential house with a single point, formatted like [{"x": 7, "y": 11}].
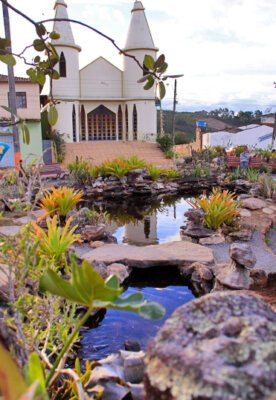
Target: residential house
[{"x": 28, "y": 108}]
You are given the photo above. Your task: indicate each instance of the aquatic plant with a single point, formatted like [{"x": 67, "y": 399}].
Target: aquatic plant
[{"x": 59, "y": 201}]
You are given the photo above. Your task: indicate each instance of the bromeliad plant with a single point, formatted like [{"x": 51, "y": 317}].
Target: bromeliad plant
[
  {"x": 220, "y": 208},
  {"x": 54, "y": 243},
  {"x": 59, "y": 201}
]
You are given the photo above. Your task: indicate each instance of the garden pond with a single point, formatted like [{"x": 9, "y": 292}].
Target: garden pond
[{"x": 140, "y": 222}]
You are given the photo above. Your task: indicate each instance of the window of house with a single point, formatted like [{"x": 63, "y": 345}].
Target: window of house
[
  {"x": 126, "y": 121},
  {"x": 74, "y": 124},
  {"x": 62, "y": 66},
  {"x": 101, "y": 124},
  {"x": 21, "y": 100},
  {"x": 134, "y": 122},
  {"x": 120, "y": 123},
  {"x": 83, "y": 123}
]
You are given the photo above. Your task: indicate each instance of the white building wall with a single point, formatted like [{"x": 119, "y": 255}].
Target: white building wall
[
  {"x": 69, "y": 86},
  {"x": 132, "y": 73},
  {"x": 64, "y": 123},
  {"x": 100, "y": 79},
  {"x": 147, "y": 120}
]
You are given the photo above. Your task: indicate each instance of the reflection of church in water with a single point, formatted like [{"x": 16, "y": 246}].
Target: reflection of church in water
[{"x": 142, "y": 232}]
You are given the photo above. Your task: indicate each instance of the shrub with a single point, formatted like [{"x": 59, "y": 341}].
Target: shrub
[
  {"x": 135, "y": 162},
  {"x": 268, "y": 185},
  {"x": 165, "y": 142},
  {"x": 252, "y": 175},
  {"x": 220, "y": 208},
  {"x": 59, "y": 201},
  {"x": 171, "y": 173},
  {"x": 169, "y": 154},
  {"x": 154, "y": 171},
  {"x": 80, "y": 170}
]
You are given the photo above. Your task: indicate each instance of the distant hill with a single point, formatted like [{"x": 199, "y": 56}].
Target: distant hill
[{"x": 185, "y": 122}]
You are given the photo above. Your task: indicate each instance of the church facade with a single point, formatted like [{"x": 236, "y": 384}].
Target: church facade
[{"x": 100, "y": 101}]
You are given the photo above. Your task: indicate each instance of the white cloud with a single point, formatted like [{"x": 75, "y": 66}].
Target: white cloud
[{"x": 224, "y": 48}]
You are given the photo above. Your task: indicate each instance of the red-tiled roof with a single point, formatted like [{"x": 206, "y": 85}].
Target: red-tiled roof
[{"x": 4, "y": 78}]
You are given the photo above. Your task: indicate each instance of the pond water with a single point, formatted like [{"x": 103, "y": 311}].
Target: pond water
[{"x": 140, "y": 223}]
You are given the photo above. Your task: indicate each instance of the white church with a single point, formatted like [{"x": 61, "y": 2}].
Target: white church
[{"x": 118, "y": 110}]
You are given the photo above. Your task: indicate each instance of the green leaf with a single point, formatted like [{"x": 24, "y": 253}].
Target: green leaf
[
  {"x": 149, "y": 62},
  {"x": 54, "y": 35},
  {"x": 55, "y": 74},
  {"x": 4, "y": 43},
  {"x": 31, "y": 72},
  {"x": 40, "y": 30},
  {"x": 149, "y": 83},
  {"x": 52, "y": 115},
  {"x": 25, "y": 133},
  {"x": 160, "y": 60},
  {"x": 85, "y": 286},
  {"x": 162, "y": 90},
  {"x": 152, "y": 310},
  {"x": 39, "y": 45},
  {"x": 8, "y": 59},
  {"x": 113, "y": 282},
  {"x": 41, "y": 77},
  {"x": 163, "y": 68},
  {"x": 35, "y": 373},
  {"x": 12, "y": 385},
  {"x": 144, "y": 78},
  {"x": 37, "y": 59}
]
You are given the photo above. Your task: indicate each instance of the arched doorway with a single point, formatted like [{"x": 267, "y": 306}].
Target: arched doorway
[{"x": 101, "y": 124}]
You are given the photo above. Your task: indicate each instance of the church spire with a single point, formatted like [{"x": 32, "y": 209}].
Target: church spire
[
  {"x": 63, "y": 27},
  {"x": 139, "y": 35}
]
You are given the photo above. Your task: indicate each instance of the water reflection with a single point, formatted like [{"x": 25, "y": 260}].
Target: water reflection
[{"x": 141, "y": 223}]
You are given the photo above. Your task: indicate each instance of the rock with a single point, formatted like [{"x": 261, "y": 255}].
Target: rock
[
  {"x": 244, "y": 235},
  {"x": 133, "y": 364},
  {"x": 93, "y": 232},
  {"x": 214, "y": 239},
  {"x": 233, "y": 277},
  {"x": 165, "y": 254},
  {"x": 268, "y": 210},
  {"x": 120, "y": 270},
  {"x": 132, "y": 345},
  {"x": 95, "y": 244},
  {"x": 218, "y": 347},
  {"x": 9, "y": 230},
  {"x": 253, "y": 204},
  {"x": 243, "y": 255},
  {"x": 200, "y": 276},
  {"x": 244, "y": 212},
  {"x": 194, "y": 227},
  {"x": 259, "y": 277},
  {"x": 158, "y": 186}
]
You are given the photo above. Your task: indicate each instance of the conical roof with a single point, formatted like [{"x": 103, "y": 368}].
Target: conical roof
[
  {"x": 139, "y": 35},
  {"x": 63, "y": 27}
]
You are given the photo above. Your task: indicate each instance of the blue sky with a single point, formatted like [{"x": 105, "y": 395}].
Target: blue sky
[{"x": 225, "y": 48}]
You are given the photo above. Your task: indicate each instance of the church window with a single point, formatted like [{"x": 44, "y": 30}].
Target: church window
[
  {"x": 134, "y": 122},
  {"x": 120, "y": 123},
  {"x": 126, "y": 121},
  {"x": 101, "y": 124},
  {"x": 83, "y": 124},
  {"x": 62, "y": 66},
  {"x": 74, "y": 124}
]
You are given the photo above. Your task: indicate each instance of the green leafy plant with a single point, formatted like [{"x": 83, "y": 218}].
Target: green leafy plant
[
  {"x": 154, "y": 172},
  {"x": 86, "y": 287},
  {"x": 268, "y": 185},
  {"x": 54, "y": 243},
  {"x": 220, "y": 208},
  {"x": 252, "y": 174},
  {"x": 134, "y": 162},
  {"x": 165, "y": 142},
  {"x": 59, "y": 201},
  {"x": 80, "y": 170},
  {"x": 154, "y": 69},
  {"x": 171, "y": 173}
]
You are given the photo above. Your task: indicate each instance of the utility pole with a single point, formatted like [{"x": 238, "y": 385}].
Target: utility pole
[
  {"x": 12, "y": 93},
  {"x": 274, "y": 132}
]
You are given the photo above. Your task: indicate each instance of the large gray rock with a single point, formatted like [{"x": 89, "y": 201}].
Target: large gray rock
[
  {"x": 218, "y": 347},
  {"x": 253, "y": 203},
  {"x": 93, "y": 232},
  {"x": 166, "y": 254},
  {"x": 243, "y": 255}
]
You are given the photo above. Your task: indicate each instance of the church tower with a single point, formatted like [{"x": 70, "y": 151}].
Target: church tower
[
  {"x": 67, "y": 88},
  {"x": 141, "y": 107}
]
